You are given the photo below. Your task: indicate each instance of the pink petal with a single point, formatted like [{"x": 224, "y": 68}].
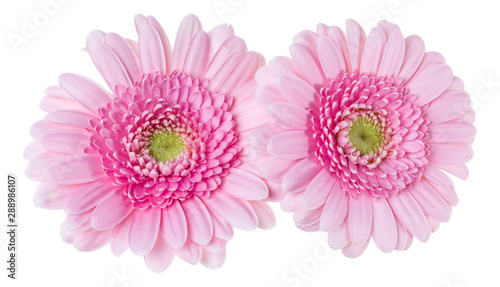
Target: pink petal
[
  {"x": 458, "y": 170},
  {"x": 229, "y": 47},
  {"x": 299, "y": 176},
  {"x": 308, "y": 63},
  {"x": 402, "y": 236},
  {"x": 457, "y": 153},
  {"x": 437, "y": 176},
  {"x": 77, "y": 169},
  {"x": 219, "y": 34},
  {"x": 250, "y": 115},
  {"x": 198, "y": 55},
  {"x": 225, "y": 69},
  {"x": 110, "y": 66},
  {"x": 189, "y": 26},
  {"x": 65, "y": 142},
  {"x": 265, "y": 214},
  {"x": 264, "y": 76},
  {"x": 304, "y": 217},
  {"x": 213, "y": 260},
  {"x": 190, "y": 252},
  {"x": 414, "y": 53},
  {"x": 409, "y": 212},
  {"x": 37, "y": 167},
  {"x": 119, "y": 237},
  {"x": 448, "y": 106},
  {"x": 393, "y": 55},
  {"x": 164, "y": 41},
  {"x": 113, "y": 209},
  {"x": 87, "y": 92},
  {"x": 160, "y": 257},
  {"x": 373, "y": 51},
  {"x": 290, "y": 116},
  {"x": 276, "y": 168},
  {"x": 266, "y": 95},
  {"x": 291, "y": 201},
  {"x": 51, "y": 196},
  {"x": 331, "y": 58},
  {"x": 144, "y": 230},
  {"x": 243, "y": 72},
  {"x": 318, "y": 189},
  {"x": 216, "y": 245},
  {"x": 71, "y": 118},
  {"x": 360, "y": 219},
  {"x": 338, "y": 237},
  {"x": 173, "y": 226},
  {"x": 222, "y": 229},
  {"x": 44, "y": 126},
  {"x": 33, "y": 150},
  {"x": 297, "y": 91},
  {"x": 353, "y": 251},
  {"x": 236, "y": 212},
  {"x": 357, "y": 39},
  {"x": 199, "y": 224},
  {"x": 291, "y": 144},
  {"x": 125, "y": 53},
  {"x": 78, "y": 222},
  {"x": 431, "y": 202},
  {"x": 452, "y": 132},
  {"x": 151, "y": 53},
  {"x": 52, "y": 104},
  {"x": 430, "y": 83},
  {"x": 335, "y": 209},
  {"x": 88, "y": 196},
  {"x": 384, "y": 231},
  {"x": 241, "y": 184},
  {"x": 91, "y": 239}
]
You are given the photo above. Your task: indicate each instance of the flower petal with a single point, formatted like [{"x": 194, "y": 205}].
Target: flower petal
[
  {"x": 77, "y": 169},
  {"x": 160, "y": 257},
  {"x": 265, "y": 214},
  {"x": 330, "y": 58},
  {"x": 299, "y": 176},
  {"x": 414, "y": 53},
  {"x": 409, "y": 212},
  {"x": 87, "y": 92},
  {"x": 189, "y": 26},
  {"x": 151, "y": 53},
  {"x": 144, "y": 230},
  {"x": 431, "y": 202},
  {"x": 290, "y": 116},
  {"x": 297, "y": 91},
  {"x": 119, "y": 237},
  {"x": 457, "y": 153},
  {"x": 318, "y": 189},
  {"x": 198, "y": 55},
  {"x": 384, "y": 231},
  {"x": 241, "y": 184},
  {"x": 199, "y": 224},
  {"x": 291, "y": 144},
  {"x": 113, "y": 209},
  {"x": 236, "y": 212},
  {"x": 91, "y": 239},
  {"x": 335, "y": 209},
  {"x": 173, "y": 226},
  {"x": 88, "y": 196},
  {"x": 360, "y": 219},
  {"x": 393, "y": 55},
  {"x": 430, "y": 84},
  {"x": 357, "y": 39},
  {"x": 373, "y": 52}
]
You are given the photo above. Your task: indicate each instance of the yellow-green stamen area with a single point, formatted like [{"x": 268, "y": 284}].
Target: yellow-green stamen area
[
  {"x": 164, "y": 146},
  {"x": 365, "y": 136}
]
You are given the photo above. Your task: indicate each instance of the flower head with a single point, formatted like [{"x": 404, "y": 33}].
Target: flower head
[
  {"x": 363, "y": 129},
  {"x": 159, "y": 164}
]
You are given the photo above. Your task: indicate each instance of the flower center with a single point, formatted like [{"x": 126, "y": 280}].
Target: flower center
[
  {"x": 164, "y": 146},
  {"x": 371, "y": 134},
  {"x": 366, "y": 136}
]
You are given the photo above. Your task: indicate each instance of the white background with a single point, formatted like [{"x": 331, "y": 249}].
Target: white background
[{"x": 464, "y": 252}]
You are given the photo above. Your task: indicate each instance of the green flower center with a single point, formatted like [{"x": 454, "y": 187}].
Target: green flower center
[
  {"x": 164, "y": 146},
  {"x": 365, "y": 136}
]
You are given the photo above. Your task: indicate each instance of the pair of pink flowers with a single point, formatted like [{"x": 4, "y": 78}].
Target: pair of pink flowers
[{"x": 352, "y": 134}]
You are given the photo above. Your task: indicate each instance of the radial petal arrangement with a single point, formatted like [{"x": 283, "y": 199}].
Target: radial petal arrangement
[
  {"x": 158, "y": 162},
  {"x": 364, "y": 129}
]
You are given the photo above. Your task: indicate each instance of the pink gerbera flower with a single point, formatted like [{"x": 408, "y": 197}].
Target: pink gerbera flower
[
  {"x": 363, "y": 129},
  {"x": 158, "y": 164}
]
